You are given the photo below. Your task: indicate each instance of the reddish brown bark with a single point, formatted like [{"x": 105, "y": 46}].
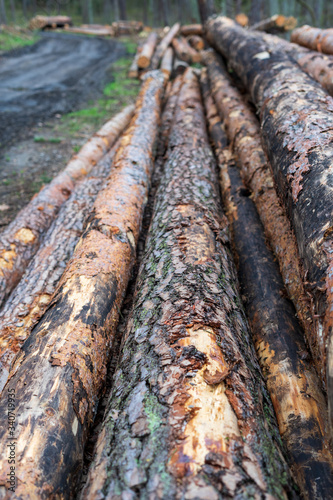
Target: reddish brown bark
[
  {"x": 30, "y": 299},
  {"x": 185, "y": 417},
  {"x": 21, "y": 239},
  {"x": 314, "y": 38},
  {"x": 243, "y": 130},
  {"x": 196, "y": 42},
  {"x": 147, "y": 51},
  {"x": 184, "y": 51},
  {"x": 191, "y": 29},
  {"x": 163, "y": 45},
  {"x": 293, "y": 384},
  {"x": 71, "y": 343},
  {"x": 300, "y": 149}
]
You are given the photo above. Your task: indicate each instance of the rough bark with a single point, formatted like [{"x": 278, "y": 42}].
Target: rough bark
[
  {"x": 293, "y": 384},
  {"x": 163, "y": 45},
  {"x": 185, "y": 417},
  {"x": 243, "y": 131},
  {"x": 318, "y": 66},
  {"x": 196, "y": 42},
  {"x": 148, "y": 49},
  {"x": 206, "y": 9},
  {"x": 275, "y": 24},
  {"x": 166, "y": 63},
  {"x": 314, "y": 38},
  {"x": 30, "y": 299},
  {"x": 191, "y": 29},
  {"x": 297, "y": 131},
  {"x": 87, "y": 29},
  {"x": 127, "y": 27},
  {"x": 60, "y": 372},
  {"x": 21, "y": 239},
  {"x": 184, "y": 51},
  {"x": 179, "y": 66}
]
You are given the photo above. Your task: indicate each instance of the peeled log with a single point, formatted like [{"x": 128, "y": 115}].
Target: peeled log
[
  {"x": 275, "y": 24},
  {"x": 60, "y": 373},
  {"x": 191, "y": 29},
  {"x": 196, "y": 42},
  {"x": 30, "y": 299},
  {"x": 314, "y": 38},
  {"x": 147, "y": 52},
  {"x": 166, "y": 63},
  {"x": 318, "y": 66},
  {"x": 297, "y": 133},
  {"x": 185, "y": 416},
  {"x": 21, "y": 239},
  {"x": 42, "y": 22},
  {"x": 243, "y": 131},
  {"x": 293, "y": 384},
  {"x": 163, "y": 45}
]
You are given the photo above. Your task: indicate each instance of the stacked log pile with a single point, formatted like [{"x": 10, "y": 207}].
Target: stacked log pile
[{"x": 222, "y": 384}]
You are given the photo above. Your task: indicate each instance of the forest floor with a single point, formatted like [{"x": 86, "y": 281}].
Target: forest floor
[{"x": 54, "y": 95}]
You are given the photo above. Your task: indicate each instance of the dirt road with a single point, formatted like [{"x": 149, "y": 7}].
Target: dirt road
[{"x": 53, "y": 76}]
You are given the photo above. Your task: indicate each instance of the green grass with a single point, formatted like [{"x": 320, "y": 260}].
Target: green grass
[
  {"x": 9, "y": 41},
  {"x": 54, "y": 140},
  {"x": 116, "y": 94}
]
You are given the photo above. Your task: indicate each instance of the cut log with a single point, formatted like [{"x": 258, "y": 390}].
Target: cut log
[
  {"x": 42, "y": 22},
  {"x": 179, "y": 66},
  {"x": 318, "y": 66},
  {"x": 62, "y": 366},
  {"x": 191, "y": 29},
  {"x": 188, "y": 386},
  {"x": 297, "y": 131},
  {"x": 166, "y": 63},
  {"x": 243, "y": 130},
  {"x": 242, "y": 19},
  {"x": 293, "y": 384},
  {"x": 206, "y": 9},
  {"x": 127, "y": 27},
  {"x": 184, "y": 51},
  {"x": 21, "y": 239},
  {"x": 30, "y": 299},
  {"x": 314, "y": 38},
  {"x": 163, "y": 45},
  {"x": 196, "y": 42},
  {"x": 148, "y": 49},
  {"x": 133, "y": 71},
  {"x": 275, "y": 24},
  {"x": 87, "y": 29}
]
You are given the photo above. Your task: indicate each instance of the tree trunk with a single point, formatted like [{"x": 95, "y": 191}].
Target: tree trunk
[
  {"x": 196, "y": 42},
  {"x": 318, "y": 66},
  {"x": 163, "y": 45},
  {"x": 293, "y": 384},
  {"x": 30, "y": 299},
  {"x": 300, "y": 150},
  {"x": 188, "y": 387},
  {"x": 243, "y": 131},
  {"x": 191, "y": 29},
  {"x": 275, "y": 24},
  {"x": 145, "y": 12},
  {"x": 184, "y": 51},
  {"x": 147, "y": 52},
  {"x": 206, "y": 9},
  {"x": 122, "y": 10},
  {"x": 3, "y": 15},
  {"x": 21, "y": 239},
  {"x": 13, "y": 11},
  {"x": 255, "y": 14},
  {"x": 314, "y": 38},
  {"x": 71, "y": 343}
]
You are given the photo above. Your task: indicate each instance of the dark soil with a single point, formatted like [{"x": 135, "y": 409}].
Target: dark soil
[{"x": 53, "y": 76}]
